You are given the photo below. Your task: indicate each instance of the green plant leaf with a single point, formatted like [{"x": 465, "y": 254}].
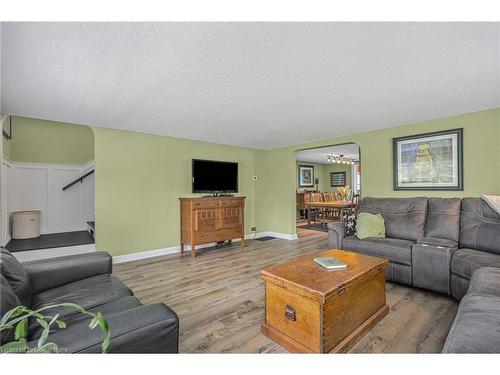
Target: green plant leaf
[
  {"x": 16, "y": 311},
  {"x": 18, "y": 318},
  {"x": 53, "y": 320},
  {"x": 42, "y": 322},
  {"x": 21, "y": 329},
  {"x": 6, "y": 326},
  {"x": 73, "y": 306},
  {"x": 94, "y": 322},
  {"x": 103, "y": 324}
]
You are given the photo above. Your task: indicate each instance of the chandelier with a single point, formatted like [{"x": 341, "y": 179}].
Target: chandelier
[{"x": 340, "y": 159}]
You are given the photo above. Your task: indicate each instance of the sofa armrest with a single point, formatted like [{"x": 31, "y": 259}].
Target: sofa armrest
[
  {"x": 144, "y": 329},
  {"x": 50, "y": 273},
  {"x": 336, "y": 233},
  {"x": 437, "y": 242}
]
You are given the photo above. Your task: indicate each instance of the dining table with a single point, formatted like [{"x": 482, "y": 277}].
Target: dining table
[{"x": 341, "y": 205}]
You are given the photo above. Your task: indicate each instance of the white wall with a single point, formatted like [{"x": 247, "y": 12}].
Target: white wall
[{"x": 33, "y": 186}]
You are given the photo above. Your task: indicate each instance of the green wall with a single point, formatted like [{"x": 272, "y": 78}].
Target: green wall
[
  {"x": 481, "y": 163},
  {"x": 139, "y": 179},
  {"x": 40, "y": 141}
]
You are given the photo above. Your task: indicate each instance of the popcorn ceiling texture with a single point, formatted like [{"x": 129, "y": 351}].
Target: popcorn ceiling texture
[{"x": 259, "y": 85}]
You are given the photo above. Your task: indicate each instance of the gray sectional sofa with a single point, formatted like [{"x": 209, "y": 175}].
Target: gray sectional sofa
[{"x": 447, "y": 245}]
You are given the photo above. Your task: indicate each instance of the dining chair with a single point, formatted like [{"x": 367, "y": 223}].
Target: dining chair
[
  {"x": 354, "y": 203},
  {"x": 329, "y": 212},
  {"x": 315, "y": 212}
]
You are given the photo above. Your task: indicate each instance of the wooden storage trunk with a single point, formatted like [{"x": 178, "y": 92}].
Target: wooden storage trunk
[{"x": 313, "y": 310}]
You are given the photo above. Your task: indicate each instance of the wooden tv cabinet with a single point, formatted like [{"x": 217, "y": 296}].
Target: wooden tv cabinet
[{"x": 207, "y": 220}]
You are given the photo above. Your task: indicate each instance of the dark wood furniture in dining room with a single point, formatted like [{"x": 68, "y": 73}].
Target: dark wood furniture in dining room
[
  {"x": 312, "y": 206},
  {"x": 211, "y": 220}
]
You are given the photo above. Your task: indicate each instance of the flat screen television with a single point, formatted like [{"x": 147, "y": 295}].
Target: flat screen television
[{"x": 210, "y": 176}]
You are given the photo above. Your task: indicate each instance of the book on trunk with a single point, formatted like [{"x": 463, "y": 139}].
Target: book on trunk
[{"x": 330, "y": 263}]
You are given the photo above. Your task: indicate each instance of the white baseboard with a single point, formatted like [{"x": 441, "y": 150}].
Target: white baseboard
[
  {"x": 176, "y": 249},
  {"x": 145, "y": 254},
  {"x": 282, "y": 236}
]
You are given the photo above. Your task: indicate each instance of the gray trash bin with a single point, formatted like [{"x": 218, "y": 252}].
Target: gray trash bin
[{"x": 26, "y": 224}]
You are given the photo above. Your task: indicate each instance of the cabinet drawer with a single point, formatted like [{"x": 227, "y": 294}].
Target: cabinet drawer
[
  {"x": 217, "y": 235},
  {"x": 294, "y": 316},
  {"x": 231, "y": 233},
  {"x": 206, "y": 237},
  {"x": 206, "y": 203},
  {"x": 231, "y": 202}
]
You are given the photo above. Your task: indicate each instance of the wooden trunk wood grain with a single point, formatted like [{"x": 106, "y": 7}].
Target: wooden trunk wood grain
[
  {"x": 313, "y": 310},
  {"x": 207, "y": 220}
]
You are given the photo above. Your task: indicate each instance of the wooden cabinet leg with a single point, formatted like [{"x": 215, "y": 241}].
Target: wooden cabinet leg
[
  {"x": 182, "y": 247},
  {"x": 193, "y": 250},
  {"x": 242, "y": 242}
]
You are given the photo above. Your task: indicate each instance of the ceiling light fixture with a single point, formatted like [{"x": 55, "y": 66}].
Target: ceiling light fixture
[{"x": 340, "y": 159}]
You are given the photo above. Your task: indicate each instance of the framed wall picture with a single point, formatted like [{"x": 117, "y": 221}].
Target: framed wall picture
[
  {"x": 306, "y": 176},
  {"x": 431, "y": 161},
  {"x": 337, "y": 179},
  {"x": 7, "y": 127}
]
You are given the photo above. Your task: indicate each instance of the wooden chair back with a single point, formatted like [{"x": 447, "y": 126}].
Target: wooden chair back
[
  {"x": 307, "y": 197},
  {"x": 327, "y": 197},
  {"x": 316, "y": 197}
]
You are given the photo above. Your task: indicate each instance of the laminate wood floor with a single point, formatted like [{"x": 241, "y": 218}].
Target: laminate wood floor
[{"x": 219, "y": 298}]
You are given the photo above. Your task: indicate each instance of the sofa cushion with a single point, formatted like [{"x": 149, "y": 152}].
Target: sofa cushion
[
  {"x": 485, "y": 280},
  {"x": 465, "y": 261},
  {"x": 476, "y": 328},
  {"x": 144, "y": 329},
  {"x": 16, "y": 276},
  {"x": 113, "y": 307},
  {"x": 396, "y": 250},
  {"x": 404, "y": 217},
  {"x": 443, "y": 218},
  {"x": 88, "y": 293},
  {"x": 479, "y": 226}
]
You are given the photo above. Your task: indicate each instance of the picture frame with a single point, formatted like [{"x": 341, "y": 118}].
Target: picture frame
[
  {"x": 306, "y": 176},
  {"x": 429, "y": 161},
  {"x": 7, "y": 127},
  {"x": 337, "y": 179}
]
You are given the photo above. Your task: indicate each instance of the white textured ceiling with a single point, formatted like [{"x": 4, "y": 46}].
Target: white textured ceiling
[
  {"x": 261, "y": 85},
  {"x": 318, "y": 155}
]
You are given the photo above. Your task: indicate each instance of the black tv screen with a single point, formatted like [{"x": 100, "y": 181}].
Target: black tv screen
[{"x": 214, "y": 176}]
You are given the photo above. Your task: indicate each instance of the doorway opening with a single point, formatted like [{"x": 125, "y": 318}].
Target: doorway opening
[
  {"x": 48, "y": 189},
  {"x": 328, "y": 185}
]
